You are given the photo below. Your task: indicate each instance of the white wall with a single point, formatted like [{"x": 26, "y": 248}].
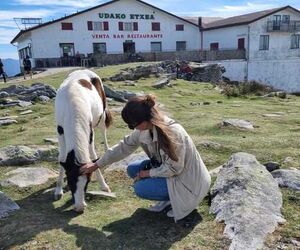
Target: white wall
[
  {"x": 282, "y": 74},
  {"x": 235, "y": 69},
  {"x": 226, "y": 37},
  {"x": 45, "y": 40}
]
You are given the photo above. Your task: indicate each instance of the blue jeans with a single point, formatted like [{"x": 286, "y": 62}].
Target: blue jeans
[{"x": 148, "y": 188}]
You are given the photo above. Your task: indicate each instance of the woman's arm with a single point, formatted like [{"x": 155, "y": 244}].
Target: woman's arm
[{"x": 118, "y": 152}]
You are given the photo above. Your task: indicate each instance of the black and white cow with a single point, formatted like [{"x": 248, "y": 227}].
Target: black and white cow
[{"x": 80, "y": 106}]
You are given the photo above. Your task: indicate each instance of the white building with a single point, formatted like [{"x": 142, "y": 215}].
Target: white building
[
  {"x": 118, "y": 26},
  {"x": 271, "y": 39}
]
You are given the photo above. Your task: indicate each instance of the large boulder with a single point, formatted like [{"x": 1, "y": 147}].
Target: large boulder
[
  {"x": 7, "y": 205},
  {"x": 247, "y": 199},
  {"x": 25, "y": 177}
]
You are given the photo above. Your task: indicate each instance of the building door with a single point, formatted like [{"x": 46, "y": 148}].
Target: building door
[
  {"x": 214, "y": 46},
  {"x": 129, "y": 47},
  {"x": 241, "y": 43},
  {"x": 276, "y": 22},
  {"x": 67, "y": 49}
]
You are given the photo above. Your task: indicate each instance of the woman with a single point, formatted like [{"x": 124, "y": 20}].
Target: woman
[
  {"x": 2, "y": 71},
  {"x": 174, "y": 174}
]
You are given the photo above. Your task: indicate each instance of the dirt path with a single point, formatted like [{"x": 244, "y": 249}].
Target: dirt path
[{"x": 47, "y": 72}]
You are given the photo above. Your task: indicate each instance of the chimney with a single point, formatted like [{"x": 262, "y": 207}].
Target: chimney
[{"x": 200, "y": 22}]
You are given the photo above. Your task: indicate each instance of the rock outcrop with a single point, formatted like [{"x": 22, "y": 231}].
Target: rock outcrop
[{"x": 248, "y": 200}]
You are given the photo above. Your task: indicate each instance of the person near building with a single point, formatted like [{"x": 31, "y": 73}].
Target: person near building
[
  {"x": 2, "y": 72},
  {"x": 27, "y": 67},
  {"x": 78, "y": 58},
  {"x": 174, "y": 174}
]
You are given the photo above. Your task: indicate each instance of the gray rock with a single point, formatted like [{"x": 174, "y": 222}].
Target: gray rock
[
  {"x": 238, "y": 123},
  {"x": 161, "y": 83},
  {"x": 7, "y": 121},
  {"x": 25, "y": 177},
  {"x": 210, "y": 144},
  {"x": 125, "y": 162},
  {"x": 23, "y": 155},
  {"x": 271, "y": 166},
  {"x": 6, "y": 205},
  {"x": 24, "y": 103},
  {"x": 43, "y": 98},
  {"x": 46, "y": 153},
  {"x": 113, "y": 94},
  {"x": 3, "y": 94},
  {"x": 288, "y": 178},
  {"x": 53, "y": 141},
  {"x": 290, "y": 162},
  {"x": 26, "y": 112},
  {"x": 247, "y": 199},
  {"x": 271, "y": 115},
  {"x": 17, "y": 156}
]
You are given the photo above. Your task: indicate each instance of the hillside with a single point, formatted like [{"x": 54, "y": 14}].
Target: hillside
[{"x": 11, "y": 66}]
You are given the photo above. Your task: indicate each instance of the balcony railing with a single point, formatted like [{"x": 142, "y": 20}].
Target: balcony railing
[{"x": 279, "y": 26}]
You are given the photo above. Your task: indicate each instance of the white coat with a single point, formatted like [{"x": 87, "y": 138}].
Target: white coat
[{"x": 188, "y": 179}]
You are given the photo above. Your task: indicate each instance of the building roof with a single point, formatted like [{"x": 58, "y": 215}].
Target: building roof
[
  {"x": 95, "y": 7},
  {"x": 205, "y": 20},
  {"x": 243, "y": 19}
]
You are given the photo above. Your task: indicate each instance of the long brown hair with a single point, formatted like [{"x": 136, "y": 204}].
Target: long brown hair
[{"x": 143, "y": 108}]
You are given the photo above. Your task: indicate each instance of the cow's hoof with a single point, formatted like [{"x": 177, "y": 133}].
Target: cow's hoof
[
  {"x": 57, "y": 196},
  {"x": 79, "y": 209}
]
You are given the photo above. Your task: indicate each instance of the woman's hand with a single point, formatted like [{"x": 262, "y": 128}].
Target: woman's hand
[
  {"x": 88, "y": 168},
  {"x": 142, "y": 174}
]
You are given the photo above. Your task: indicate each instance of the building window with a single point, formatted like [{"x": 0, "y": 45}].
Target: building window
[
  {"x": 214, "y": 46},
  {"x": 128, "y": 26},
  {"x": 99, "y": 48},
  {"x": 180, "y": 45},
  {"x": 97, "y": 25},
  {"x": 155, "y": 26},
  {"x": 25, "y": 52},
  {"x": 67, "y": 49},
  {"x": 179, "y": 27},
  {"x": 241, "y": 43},
  {"x": 264, "y": 42},
  {"x": 156, "y": 47},
  {"x": 295, "y": 42},
  {"x": 67, "y": 26},
  {"x": 285, "y": 19}
]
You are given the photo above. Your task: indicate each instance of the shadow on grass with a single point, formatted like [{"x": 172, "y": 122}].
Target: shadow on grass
[{"x": 143, "y": 230}]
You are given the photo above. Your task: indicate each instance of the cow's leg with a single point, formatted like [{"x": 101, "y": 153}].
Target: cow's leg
[
  {"x": 103, "y": 133},
  {"x": 79, "y": 194},
  {"x": 58, "y": 193},
  {"x": 99, "y": 176}
]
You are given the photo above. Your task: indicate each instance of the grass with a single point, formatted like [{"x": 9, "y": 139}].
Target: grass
[{"x": 123, "y": 223}]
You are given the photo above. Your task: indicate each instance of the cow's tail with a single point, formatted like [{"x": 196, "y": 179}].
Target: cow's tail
[
  {"x": 108, "y": 118},
  {"x": 100, "y": 89}
]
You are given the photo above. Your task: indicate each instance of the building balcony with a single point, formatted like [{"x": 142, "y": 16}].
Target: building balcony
[{"x": 279, "y": 26}]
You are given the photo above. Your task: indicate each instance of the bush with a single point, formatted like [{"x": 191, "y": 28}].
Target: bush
[{"x": 246, "y": 88}]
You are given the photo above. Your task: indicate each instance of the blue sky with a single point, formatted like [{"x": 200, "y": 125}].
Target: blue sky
[{"x": 52, "y": 9}]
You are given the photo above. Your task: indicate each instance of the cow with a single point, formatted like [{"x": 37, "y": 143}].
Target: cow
[{"x": 80, "y": 106}]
